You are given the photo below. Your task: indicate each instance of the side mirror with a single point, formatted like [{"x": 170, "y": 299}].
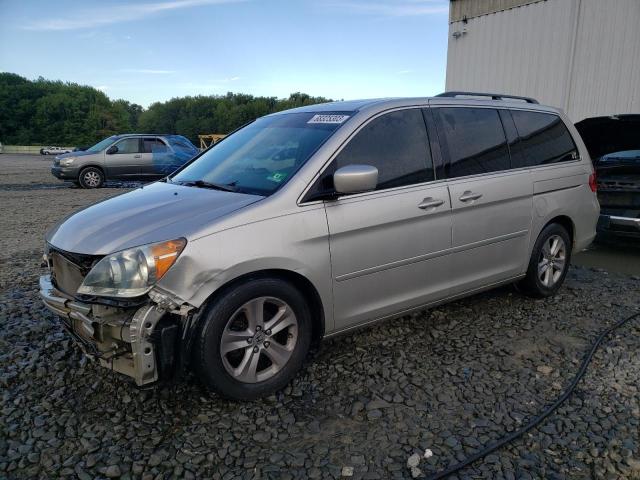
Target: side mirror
[
  {"x": 355, "y": 179},
  {"x": 112, "y": 149}
]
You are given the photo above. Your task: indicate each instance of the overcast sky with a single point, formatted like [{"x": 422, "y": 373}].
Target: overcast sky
[{"x": 149, "y": 51}]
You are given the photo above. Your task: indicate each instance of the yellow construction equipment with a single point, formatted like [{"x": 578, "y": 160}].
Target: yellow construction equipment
[{"x": 207, "y": 140}]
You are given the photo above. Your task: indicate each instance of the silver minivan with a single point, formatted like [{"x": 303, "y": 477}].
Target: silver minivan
[
  {"x": 311, "y": 222},
  {"x": 124, "y": 157}
]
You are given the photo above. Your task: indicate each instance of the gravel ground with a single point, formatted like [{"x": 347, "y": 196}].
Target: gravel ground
[{"x": 405, "y": 398}]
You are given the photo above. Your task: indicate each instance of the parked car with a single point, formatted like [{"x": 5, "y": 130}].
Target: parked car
[
  {"x": 54, "y": 150},
  {"x": 614, "y": 144},
  {"x": 233, "y": 265},
  {"x": 125, "y": 157}
]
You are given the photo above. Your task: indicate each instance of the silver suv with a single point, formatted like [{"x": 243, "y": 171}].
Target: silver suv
[
  {"x": 311, "y": 222},
  {"x": 124, "y": 157}
]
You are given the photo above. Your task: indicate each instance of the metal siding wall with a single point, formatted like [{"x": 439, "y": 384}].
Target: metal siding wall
[
  {"x": 472, "y": 8},
  {"x": 606, "y": 75},
  {"x": 528, "y": 51}
]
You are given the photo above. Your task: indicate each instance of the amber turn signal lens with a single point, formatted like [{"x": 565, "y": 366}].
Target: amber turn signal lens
[{"x": 165, "y": 254}]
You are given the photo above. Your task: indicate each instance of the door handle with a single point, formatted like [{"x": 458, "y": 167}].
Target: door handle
[
  {"x": 469, "y": 196},
  {"x": 430, "y": 203},
  {"x": 137, "y": 156}
]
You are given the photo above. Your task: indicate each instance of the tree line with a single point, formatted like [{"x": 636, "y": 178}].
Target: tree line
[{"x": 46, "y": 112}]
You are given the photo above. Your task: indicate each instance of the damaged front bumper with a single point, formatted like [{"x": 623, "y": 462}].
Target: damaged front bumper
[{"x": 142, "y": 342}]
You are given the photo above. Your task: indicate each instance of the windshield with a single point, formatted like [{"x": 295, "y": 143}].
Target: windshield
[
  {"x": 98, "y": 147},
  {"x": 264, "y": 155}
]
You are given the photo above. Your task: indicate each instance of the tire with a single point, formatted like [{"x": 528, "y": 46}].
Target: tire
[
  {"x": 547, "y": 270},
  {"x": 226, "y": 325},
  {"x": 91, "y": 177}
]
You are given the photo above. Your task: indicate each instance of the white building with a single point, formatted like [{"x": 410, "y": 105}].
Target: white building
[{"x": 580, "y": 55}]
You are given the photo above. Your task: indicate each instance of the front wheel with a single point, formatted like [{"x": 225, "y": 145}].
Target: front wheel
[
  {"x": 91, "y": 177},
  {"x": 253, "y": 339},
  {"x": 549, "y": 262}
]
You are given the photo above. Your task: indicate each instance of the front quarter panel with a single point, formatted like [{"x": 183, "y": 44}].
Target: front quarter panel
[
  {"x": 95, "y": 159},
  {"x": 297, "y": 242}
]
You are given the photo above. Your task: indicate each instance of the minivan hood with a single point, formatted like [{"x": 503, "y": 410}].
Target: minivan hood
[{"x": 153, "y": 213}]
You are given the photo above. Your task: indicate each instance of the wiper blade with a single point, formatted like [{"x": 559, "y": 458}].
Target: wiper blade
[{"x": 211, "y": 185}]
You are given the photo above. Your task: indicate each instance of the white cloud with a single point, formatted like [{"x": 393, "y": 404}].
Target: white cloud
[
  {"x": 103, "y": 88},
  {"x": 404, "y": 72},
  {"x": 96, "y": 17},
  {"x": 394, "y": 8},
  {"x": 149, "y": 71},
  {"x": 231, "y": 79}
]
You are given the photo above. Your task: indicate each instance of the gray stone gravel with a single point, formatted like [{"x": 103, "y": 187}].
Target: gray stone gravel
[{"x": 366, "y": 406}]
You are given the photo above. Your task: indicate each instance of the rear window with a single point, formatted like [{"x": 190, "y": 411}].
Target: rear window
[
  {"x": 543, "y": 139},
  {"x": 178, "y": 142},
  {"x": 474, "y": 139}
]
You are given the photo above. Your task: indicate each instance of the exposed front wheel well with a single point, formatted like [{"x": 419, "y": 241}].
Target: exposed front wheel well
[{"x": 298, "y": 281}]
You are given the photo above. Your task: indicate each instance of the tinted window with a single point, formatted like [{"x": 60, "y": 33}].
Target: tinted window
[
  {"x": 543, "y": 139},
  {"x": 396, "y": 144},
  {"x": 512, "y": 137},
  {"x": 474, "y": 139},
  {"x": 128, "y": 145},
  {"x": 154, "y": 145}
]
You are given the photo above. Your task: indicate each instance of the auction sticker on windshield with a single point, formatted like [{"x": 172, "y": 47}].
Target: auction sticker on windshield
[
  {"x": 277, "y": 176},
  {"x": 328, "y": 118}
]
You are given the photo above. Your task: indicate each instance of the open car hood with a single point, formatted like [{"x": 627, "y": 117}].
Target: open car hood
[{"x": 605, "y": 135}]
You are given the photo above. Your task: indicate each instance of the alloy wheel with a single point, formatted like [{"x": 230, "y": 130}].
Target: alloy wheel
[
  {"x": 92, "y": 179},
  {"x": 552, "y": 261},
  {"x": 259, "y": 339}
]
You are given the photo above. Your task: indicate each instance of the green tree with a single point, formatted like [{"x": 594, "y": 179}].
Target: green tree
[
  {"x": 191, "y": 116},
  {"x": 58, "y": 113}
]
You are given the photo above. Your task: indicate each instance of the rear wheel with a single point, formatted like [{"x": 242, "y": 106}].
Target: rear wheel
[
  {"x": 254, "y": 339},
  {"x": 91, "y": 177},
  {"x": 549, "y": 262}
]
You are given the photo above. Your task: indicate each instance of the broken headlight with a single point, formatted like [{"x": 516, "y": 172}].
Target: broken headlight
[{"x": 132, "y": 272}]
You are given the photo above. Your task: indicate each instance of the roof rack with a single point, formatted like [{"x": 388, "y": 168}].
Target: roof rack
[{"x": 494, "y": 96}]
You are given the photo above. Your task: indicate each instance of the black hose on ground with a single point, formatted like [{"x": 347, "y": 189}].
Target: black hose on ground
[{"x": 539, "y": 418}]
